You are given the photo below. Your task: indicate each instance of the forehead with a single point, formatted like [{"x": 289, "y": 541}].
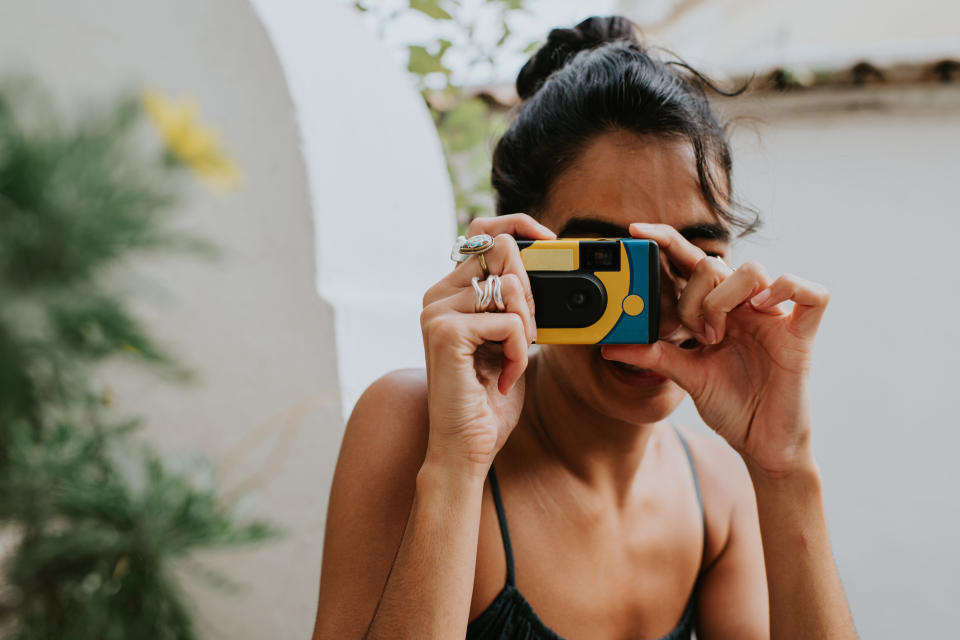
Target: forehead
[{"x": 620, "y": 178}]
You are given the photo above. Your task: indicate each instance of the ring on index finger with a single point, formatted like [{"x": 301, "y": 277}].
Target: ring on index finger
[{"x": 478, "y": 245}]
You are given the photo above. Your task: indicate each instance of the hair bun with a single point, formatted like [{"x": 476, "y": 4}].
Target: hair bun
[{"x": 563, "y": 44}]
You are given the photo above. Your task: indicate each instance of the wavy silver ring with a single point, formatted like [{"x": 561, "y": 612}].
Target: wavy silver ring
[
  {"x": 492, "y": 290},
  {"x": 484, "y": 294},
  {"x": 498, "y": 293}
]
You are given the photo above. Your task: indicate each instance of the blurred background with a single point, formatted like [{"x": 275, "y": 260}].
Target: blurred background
[{"x": 218, "y": 218}]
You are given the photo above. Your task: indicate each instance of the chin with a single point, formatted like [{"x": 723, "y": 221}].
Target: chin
[{"x": 620, "y": 392}]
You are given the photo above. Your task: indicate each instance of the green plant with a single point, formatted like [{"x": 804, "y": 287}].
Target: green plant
[{"x": 93, "y": 522}]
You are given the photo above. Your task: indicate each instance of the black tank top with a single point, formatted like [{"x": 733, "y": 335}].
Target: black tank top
[{"x": 510, "y": 616}]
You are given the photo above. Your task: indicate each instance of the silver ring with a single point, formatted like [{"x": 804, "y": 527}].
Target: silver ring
[
  {"x": 484, "y": 294},
  {"x": 491, "y": 290},
  {"x": 497, "y": 293}
]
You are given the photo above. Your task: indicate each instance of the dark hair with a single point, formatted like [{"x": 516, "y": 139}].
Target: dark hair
[{"x": 597, "y": 78}]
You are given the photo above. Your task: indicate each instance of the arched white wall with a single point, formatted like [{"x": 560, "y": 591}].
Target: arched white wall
[{"x": 382, "y": 201}]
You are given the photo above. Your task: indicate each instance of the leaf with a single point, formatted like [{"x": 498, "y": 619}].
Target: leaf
[
  {"x": 431, "y": 8},
  {"x": 510, "y": 5},
  {"x": 465, "y": 125},
  {"x": 422, "y": 62},
  {"x": 504, "y": 35}
]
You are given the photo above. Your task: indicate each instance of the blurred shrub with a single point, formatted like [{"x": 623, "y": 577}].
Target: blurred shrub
[{"x": 90, "y": 522}]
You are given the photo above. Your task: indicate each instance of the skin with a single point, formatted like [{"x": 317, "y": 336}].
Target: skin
[{"x": 608, "y": 540}]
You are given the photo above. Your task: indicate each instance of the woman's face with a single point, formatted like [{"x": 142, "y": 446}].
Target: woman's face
[{"x": 621, "y": 178}]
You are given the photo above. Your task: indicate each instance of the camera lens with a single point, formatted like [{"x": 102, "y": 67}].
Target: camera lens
[{"x": 578, "y": 299}]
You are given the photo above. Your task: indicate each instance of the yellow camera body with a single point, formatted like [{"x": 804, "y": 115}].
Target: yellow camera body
[{"x": 594, "y": 291}]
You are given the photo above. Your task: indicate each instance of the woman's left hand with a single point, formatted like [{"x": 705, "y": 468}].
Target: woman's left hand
[{"x": 749, "y": 377}]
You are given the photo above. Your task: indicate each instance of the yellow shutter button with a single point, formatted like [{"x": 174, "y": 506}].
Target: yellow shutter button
[{"x": 633, "y": 305}]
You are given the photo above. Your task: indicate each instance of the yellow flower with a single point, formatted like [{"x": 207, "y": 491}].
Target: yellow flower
[{"x": 190, "y": 142}]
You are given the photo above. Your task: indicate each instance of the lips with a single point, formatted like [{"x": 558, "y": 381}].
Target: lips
[{"x": 634, "y": 376}]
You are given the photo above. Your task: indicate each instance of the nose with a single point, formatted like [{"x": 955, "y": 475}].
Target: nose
[{"x": 671, "y": 328}]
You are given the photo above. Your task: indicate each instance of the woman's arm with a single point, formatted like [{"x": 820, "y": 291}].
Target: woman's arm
[
  {"x": 749, "y": 380},
  {"x": 370, "y": 500},
  {"x": 806, "y": 597},
  {"x": 428, "y": 591},
  {"x": 472, "y": 399}
]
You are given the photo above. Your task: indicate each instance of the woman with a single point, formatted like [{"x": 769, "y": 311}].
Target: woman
[{"x": 496, "y": 496}]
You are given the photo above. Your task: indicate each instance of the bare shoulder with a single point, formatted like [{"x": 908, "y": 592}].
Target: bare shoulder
[
  {"x": 373, "y": 486},
  {"x": 725, "y": 485},
  {"x": 391, "y": 416}
]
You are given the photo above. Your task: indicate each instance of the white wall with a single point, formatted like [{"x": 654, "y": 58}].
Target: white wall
[
  {"x": 332, "y": 139},
  {"x": 859, "y": 192}
]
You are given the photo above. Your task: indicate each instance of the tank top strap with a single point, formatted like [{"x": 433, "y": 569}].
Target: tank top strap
[
  {"x": 696, "y": 483},
  {"x": 504, "y": 531}
]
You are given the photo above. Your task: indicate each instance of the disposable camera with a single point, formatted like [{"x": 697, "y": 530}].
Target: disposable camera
[{"x": 590, "y": 291}]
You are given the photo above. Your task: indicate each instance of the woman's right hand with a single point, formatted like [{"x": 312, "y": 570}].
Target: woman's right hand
[{"x": 475, "y": 361}]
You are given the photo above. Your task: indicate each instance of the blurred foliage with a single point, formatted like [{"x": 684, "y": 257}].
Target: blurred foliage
[
  {"x": 468, "y": 126},
  {"x": 92, "y": 523}
]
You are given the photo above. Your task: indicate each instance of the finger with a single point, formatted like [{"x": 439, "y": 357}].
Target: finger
[
  {"x": 520, "y": 225},
  {"x": 810, "y": 302},
  {"x": 708, "y": 273},
  {"x": 514, "y": 300},
  {"x": 740, "y": 286},
  {"x": 463, "y": 333},
  {"x": 508, "y": 330},
  {"x": 682, "y": 254},
  {"x": 683, "y": 366},
  {"x": 503, "y": 259}
]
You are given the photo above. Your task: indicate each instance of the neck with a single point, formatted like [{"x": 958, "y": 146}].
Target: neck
[{"x": 602, "y": 451}]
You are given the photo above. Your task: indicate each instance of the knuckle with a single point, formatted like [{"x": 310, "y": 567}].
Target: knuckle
[
  {"x": 426, "y": 316},
  {"x": 705, "y": 265},
  {"x": 429, "y": 297},
  {"x": 753, "y": 268},
  {"x": 788, "y": 281},
  {"x": 443, "y": 329},
  {"x": 511, "y": 282},
  {"x": 710, "y": 306},
  {"x": 476, "y": 227},
  {"x": 507, "y": 240}
]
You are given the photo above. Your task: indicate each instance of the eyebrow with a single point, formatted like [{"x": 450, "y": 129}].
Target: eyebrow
[{"x": 700, "y": 230}]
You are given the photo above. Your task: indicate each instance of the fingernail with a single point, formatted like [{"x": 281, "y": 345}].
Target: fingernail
[
  {"x": 760, "y": 298},
  {"x": 546, "y": 229},
  {"x": 711, "y": 334}
]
